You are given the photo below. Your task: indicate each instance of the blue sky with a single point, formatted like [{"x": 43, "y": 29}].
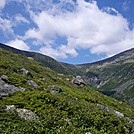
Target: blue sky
[{"x": 72, "y": 31}]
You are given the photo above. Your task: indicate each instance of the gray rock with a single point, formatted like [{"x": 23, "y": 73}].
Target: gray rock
[
  {"x": 93, "y": 78},
  {"x": 54, "y": 89},
  {"x": 67, "y": 79},
  {"x": 78, "y": 81},
  {"x": 10, "y": 108},
  {"x": 30, "y": 58},
  {"x": 5, "y": 88},
  {"x": 4, "y": 77},
  {"x": 42, "y": 79},
  {"x": 32, "y": 83},
  {"x": 27, "y": 114},
  {"x": 25, "y": 72},
  {"x": 88, "y": 133},
  {"x": 119, "y": 114},
  {"x": 22, "y": 113}
]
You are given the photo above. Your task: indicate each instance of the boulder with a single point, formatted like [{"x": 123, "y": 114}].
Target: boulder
[
  {"x": 54, "y": 89},
  {"x": 119, "y": 114},
  {"x": 27, "y": 114},
  {"x": 5, "y": 88},
  {"x": 67, "y": 79},
  {"x": 78, "y": 81},
  {"x": 4, "y": 77},
  {"x": 10, "y": 108},
  {"x": 25, "y": 72},
  {"x": 30, "y": 58},
  {"x": 22, "y": 113},
  {"x": 32, "y": 83}
]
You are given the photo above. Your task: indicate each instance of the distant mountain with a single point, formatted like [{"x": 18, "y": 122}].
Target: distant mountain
[
  {"x": 113, "y": 76},
  {"x": 36, "y": 100},
  {"x": 44, "y": 60}
]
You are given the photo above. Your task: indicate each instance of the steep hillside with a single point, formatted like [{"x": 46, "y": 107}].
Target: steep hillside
[
  {"x": 113, "y": 76},
  {"x": 43, "y": 60},
  {"x": 35, "y": 99}
]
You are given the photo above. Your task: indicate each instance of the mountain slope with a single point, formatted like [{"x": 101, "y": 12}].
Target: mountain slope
[
  {"x": 113, "y": 76},
  {"x": 50, "y": 103},
  {"x": 44, "y": 60}
]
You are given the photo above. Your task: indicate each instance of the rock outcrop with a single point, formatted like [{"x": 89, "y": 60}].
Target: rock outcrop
[
  {"x": 92, "y": 78},
  {"x": 117, "y": 113},
  {"x": 5, "y": 88},
  {"x": 32, "y": 83},
  {"x": 26, "y": 114},
  {"x": 25, "y": 72},
  {"x": 22, "y": 113},
  {"x": 78, "y": 81},
  {"x": 54, "y": 89}
]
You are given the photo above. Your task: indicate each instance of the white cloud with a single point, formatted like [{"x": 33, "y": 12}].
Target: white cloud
[
  {"x": 2, "y": 4},
  {"x": 83, "y": 24},
  {"x": 6, "y": 27},
  {"x": 20, "y": 19},
  {"x": 19, "y": 44},
  {"x": 86, "y": 27},
  {"x": 125, "y": 5},
  {"x": 61, "y": 52}
]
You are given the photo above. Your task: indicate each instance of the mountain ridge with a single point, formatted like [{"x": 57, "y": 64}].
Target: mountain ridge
[
  {"x": 106, "y": 76},
  {"x": 40, "y": 100}
]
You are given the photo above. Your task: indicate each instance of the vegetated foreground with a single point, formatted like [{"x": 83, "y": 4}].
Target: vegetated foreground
[{"x": 35, "y": 99}]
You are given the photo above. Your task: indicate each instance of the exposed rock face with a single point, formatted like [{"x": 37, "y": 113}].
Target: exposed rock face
[
  {"x": 5, "y": 88},
  {"x": 54, "y": 89},
  {"x": 92, "y": 78},
  {"x": 25, "y": 72},
  {"x": 117, "y": 113},
  {"x": 123, "y": 86},
  {"x": 22, "y": 113},
  {"x": 32, "y": 83},
  {"x": 78, "y": 81}
]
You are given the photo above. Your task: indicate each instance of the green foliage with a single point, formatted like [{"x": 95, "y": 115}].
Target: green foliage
[{"x": 72, "y": 111}]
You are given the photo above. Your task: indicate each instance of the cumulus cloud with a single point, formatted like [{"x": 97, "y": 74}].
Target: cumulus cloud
[
  {"x": 2, "y": 4},
  {"x": 83, "y": 24},
  {"x": 86, "y": 27},
  {"x": 61, "y": 52},
  {"x": 19, "y": 44}
]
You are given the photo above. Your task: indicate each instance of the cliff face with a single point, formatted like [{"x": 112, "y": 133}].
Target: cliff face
[{"x": 113, "y": 76}]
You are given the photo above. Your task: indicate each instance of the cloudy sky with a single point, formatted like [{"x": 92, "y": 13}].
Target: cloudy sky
[{"x": 73, "y": 31}]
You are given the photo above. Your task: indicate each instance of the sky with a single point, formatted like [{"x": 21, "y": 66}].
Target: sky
[{"x": 71, "y": 31}]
